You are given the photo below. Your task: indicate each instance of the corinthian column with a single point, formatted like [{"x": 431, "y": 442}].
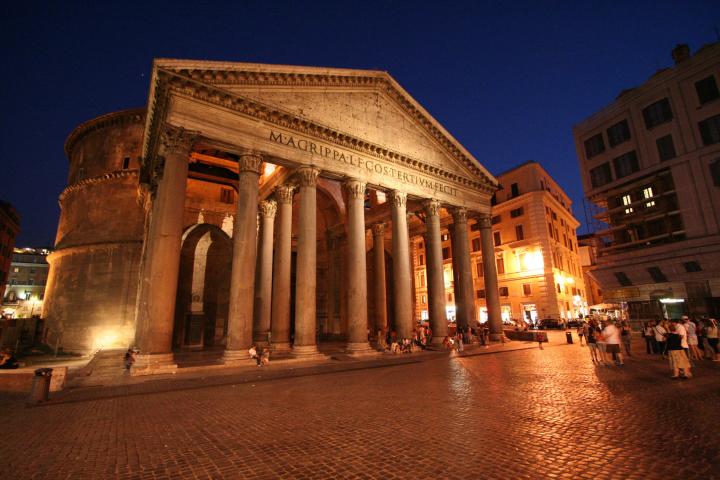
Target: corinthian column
[
  {"x": 436, "y": 280},
  {"x": 378, "y": 231},
  {"x": 357, "y": 272},
  {"x": 242, "y": 277},
  {"x": 161, "y": 254},
  {"x": 263, "y": 288},
  {"x": 305, "y": 290},
  {"x": 492, "y": 296},
  {"x": 464, "y": 290},
  {"x": 281, "y": 272},
  {"x": 401, "y": 265}
]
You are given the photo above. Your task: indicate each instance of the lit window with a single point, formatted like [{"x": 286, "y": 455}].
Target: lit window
[
  {"x": 627, "y": 201},
  {"x": 648, "y": 193}
]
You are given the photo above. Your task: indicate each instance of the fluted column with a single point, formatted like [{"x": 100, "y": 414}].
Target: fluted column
[
  {"x": 357, "y": 271},
  {"x": 305, "y": 290},
  {"x": 280, "y": 315},
  {"x": 378, "y": 231},
  {"x": 464, "y": 290},
  {"x": 242, "y": 277},
  {"x": 436, "y": 281},
  {"x": 492, "y": 296},
  {"x": 263, "y": 287},
  {"x": 401, "y": 265},
  {"x": 161, "y": 254}
]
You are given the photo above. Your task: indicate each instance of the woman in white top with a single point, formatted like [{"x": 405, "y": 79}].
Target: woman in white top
[
  {"x": 660, "y": 332},
  {"x": 711, "y": 332},
  {"x": 692, "y": 338}
]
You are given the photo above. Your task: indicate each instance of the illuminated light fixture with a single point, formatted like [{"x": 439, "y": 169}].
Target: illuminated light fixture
[
  {"x": 570, "y": 280},
  {"x": 648, "y": 193},
  {"x": 269, "y": 169},
  {"x": 105, "y": 339},
  {"x": 672, "y": 300},
  {"x": 533, "y": 260},
  {"x": 627, "y": 201}
]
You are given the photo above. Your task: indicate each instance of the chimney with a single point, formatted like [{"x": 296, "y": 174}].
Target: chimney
[{"x": 680, "y": 53}]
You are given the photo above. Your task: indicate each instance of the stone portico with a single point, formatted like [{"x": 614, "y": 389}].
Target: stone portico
[{"x": 331, "y": 171}]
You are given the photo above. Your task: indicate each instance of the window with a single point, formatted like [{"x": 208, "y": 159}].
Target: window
[
  {"x": 657, "y": 113},
  {"x": 657, "y": 275},
  {"x": 496, "y": 219},
  {"x": 480, "y": 293},
  {"x": 626, "y": 164},
  {"x": 126, "y": 163},
  {"x": 707, "y": 90},
  {"x": 446, "y": 253},
  {"x": 424, "y": 300},
  {"x": 16, "y": 270},
  {"x": 666, "y": 148},
  {"x": 226, "y": 195},
  {"x": 479, "y": 269},
  {"x": 527, "y": 289},
  {"x": 554, "y": 215},
  {"x": 692, "y": 266},
  {"x": 32, "y": 271},
  {"x": 627, "y": 201},
  {"x": 500, "y": 265},
  {"x": 517, "y": 212},
  {"x": 81, "y": 173},
  {"x": 475, "y": 244},
  {"x": 421, "y": 259},
  {"x": 503, "y": 291},
  {"x": 710, "y": 130},
  {"x": 648, "y": 193},
  {"x": 519, "y": 232},
  {"x": 600, "y": 175},
  {"x": 514, "y": 190},
  {"x": 550, "y": 229},
  {"x": 715, "y": 172},
  {"x": 475, "y": 227},
  {"x": 623, "y": 279},
  {"x": 594, "y": 146},
  {"x": 559, "y": 289},
  {"x": 444, "y": 237},
  {"x": 496, "y": 238},
  {"x": 493, "y": 200},
  {"x": 618, "y": 133}
]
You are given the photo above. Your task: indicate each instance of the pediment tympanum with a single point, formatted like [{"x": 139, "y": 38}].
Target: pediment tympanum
[{"x": 344, "y": 121}]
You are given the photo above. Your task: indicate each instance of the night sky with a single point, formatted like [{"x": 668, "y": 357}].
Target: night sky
[{"x": 508, "y": 82}]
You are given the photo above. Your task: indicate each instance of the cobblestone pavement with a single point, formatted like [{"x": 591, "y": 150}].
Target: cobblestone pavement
[{"x": 523, "y": 414}]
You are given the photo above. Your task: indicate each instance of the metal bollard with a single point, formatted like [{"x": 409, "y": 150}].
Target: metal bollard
[
  {"x": 568, "y": 337},
  {"x": 41, "y": 385}
]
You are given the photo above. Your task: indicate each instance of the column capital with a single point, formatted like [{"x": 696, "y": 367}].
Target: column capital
[
  {"x": 378, "y": 230},
  {"x": 398, "y": 198},
  {"x": 177, "y": 140},
  {"x": 250, "y": 162},
  {"x": 307, "y": 176},
  {"x": 459, "y": 214},
  {"x": 284, "y": 193},
  {"x": 354, "y": 189},
  {"x": 268, "y": 208},
  {"x": 432, "y": 207},
  {"x": 484, "y": 220}
]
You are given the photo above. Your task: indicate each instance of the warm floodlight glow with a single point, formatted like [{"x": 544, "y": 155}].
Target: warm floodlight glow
[
  {"x": 269, "y": 169},
  {"x": 672, "y": 300},
  {"x": 533, "y": 260},
  {"x": 105, "y": 338}
]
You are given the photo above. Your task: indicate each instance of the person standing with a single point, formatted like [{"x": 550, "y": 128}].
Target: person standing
[
  {"x": 692, "y": 338},
  {"x": 649, "y": 337},
  {"x": 581, "y": 332},
  {"x": 611, "y": 336},
  {"x": 660, "y": 332},
  {"x": 626, "y": 337},
  {"x": 590, "y": 331},
  {"x": 678, "y": 357},
  {"x": 711, "y": 332}
]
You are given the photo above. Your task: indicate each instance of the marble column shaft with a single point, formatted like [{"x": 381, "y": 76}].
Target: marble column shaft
[
  {"x": 402, "y": 292},
  {"x": 464, "y": 289},
  {"x": 161, "y": 260},
  {"x": 492, "y": 295},
  {"x": 357, "y": 270},
  {"x": 263, "y": 287},
  {"x": 280, "y": 314},
  {"x": 305, "y": 289},
  {"x": 242, "y": 276},
  {"x": 436, "y": 280},
  {"x": 380, "y": 294}
]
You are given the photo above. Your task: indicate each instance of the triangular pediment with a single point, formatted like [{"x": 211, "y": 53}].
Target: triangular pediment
[{"x": 363, "y": 104}]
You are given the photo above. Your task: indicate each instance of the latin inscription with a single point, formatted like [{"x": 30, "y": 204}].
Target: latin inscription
[{"x": 361, "y": 163}]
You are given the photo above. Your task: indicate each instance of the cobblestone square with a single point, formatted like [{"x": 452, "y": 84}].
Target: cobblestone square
[{"x": 519, "y": 414}]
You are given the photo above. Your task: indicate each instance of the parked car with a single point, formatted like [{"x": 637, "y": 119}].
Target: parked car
[
  {"x": 550, "y": 323},
  {"x": 574, "y": 323}
]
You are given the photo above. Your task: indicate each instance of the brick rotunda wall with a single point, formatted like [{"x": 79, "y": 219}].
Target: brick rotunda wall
[{"x": 93, "y": 280}]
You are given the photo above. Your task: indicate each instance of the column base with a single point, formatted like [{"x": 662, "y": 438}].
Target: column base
[
  {"x": 281, "y": 347},
  {"x": 305, "y": 351},
  {"x": 154, "y": 364},
  {"x": 497, "y": 337},
  {"x": 237, "y": 358},
  {"x": 437, "y": 341},
  {"x": 359, "y": 348}
]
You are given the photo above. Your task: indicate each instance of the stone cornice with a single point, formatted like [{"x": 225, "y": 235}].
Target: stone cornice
[
  {"x": 136, "y": 115},
  {"x": 193, "y": 84},
  {"x": 98, "y": 179},
  {"x": 91, "y": 247}
]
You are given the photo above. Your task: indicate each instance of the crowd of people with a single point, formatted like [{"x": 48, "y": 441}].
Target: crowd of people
[
  {"x": 422, "y": 335},
  {"x": 680, "y": 341}
]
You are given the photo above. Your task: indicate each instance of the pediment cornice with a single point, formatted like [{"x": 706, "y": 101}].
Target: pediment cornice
[{"x": 211, "y": 82}]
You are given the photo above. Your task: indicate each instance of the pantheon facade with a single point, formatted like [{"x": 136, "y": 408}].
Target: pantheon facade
[{"x": 251, "y": 203}]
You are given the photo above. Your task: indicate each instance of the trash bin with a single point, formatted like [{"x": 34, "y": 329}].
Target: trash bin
[
  {"x": 568, "y": 337},
  {"x": 41, "y": 385}
]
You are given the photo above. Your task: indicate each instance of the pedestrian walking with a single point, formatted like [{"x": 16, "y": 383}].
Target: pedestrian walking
[
  {"x": 611, "y": 336},
  {"x": 590, "y": 332},
  {"x": 581, "y": 333},
  {"x": 692, "y": 339},
  {"x": 677, "y": 356},
  {"x": 626, "y": 337},
  {"x": 129, "y": 358}
]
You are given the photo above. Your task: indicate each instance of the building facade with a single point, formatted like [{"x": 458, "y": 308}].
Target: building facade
[
  {"x": 254, "y": 201},
  {"x": 651, "y": 161},
  {"x": 535, "y": 253},
  {"x": 25, "y": 289},
  {"x": 9, "y": 229}
]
